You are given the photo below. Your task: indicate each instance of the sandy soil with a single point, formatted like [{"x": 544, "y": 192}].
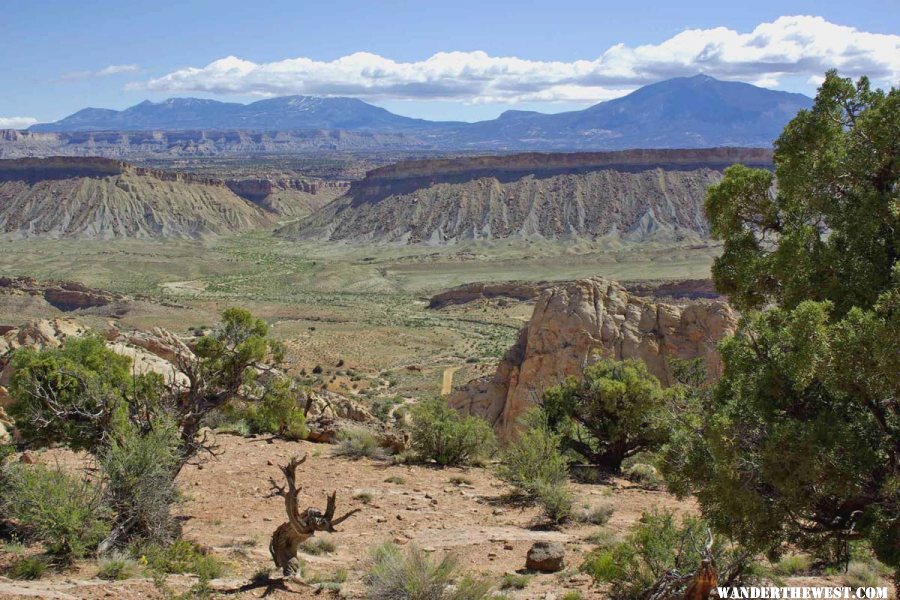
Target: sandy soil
[{"x": 228, "y": 508}]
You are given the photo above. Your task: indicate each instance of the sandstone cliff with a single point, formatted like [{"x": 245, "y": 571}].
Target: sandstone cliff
[
  {"x": 574, "y": 322},
  {"x": 640, "y": 195},
  {"x": 103, "y": 199}
]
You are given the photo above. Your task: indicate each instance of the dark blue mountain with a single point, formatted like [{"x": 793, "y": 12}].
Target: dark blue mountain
[
  {"x": 685, "y": 112},
  {"x": 275, "y": 114}
]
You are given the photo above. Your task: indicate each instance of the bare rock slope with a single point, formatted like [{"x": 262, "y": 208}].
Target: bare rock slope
[
  {"x": 577, "y": 320},
  {"x": 635, "y": 195},
  {"x": 97, "y": 198}
]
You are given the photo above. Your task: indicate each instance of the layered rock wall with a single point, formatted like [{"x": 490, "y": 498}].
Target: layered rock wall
[{"x": 577, "y": 321}]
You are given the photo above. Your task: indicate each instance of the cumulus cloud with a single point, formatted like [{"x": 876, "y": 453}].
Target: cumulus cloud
[
  {"x": 17, "y": 122},
  {"x": 104, "y": 72},
  {"x": 791, "y": 46}
]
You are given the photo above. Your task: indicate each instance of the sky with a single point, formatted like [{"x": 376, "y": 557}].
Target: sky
[{"x": 458, "y": 60}]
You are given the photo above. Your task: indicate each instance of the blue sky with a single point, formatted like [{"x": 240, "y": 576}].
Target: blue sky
[{"x": 59, "y": 56}]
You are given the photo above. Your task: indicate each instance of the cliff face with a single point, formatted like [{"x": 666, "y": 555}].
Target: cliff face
[
  {"x": 574, "y": 322},
  {"x": 642, "y": 195},
  {"x": 98, "y": 198}
]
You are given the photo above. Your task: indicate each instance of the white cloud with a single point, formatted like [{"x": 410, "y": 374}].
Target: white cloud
[
  {"x": 17, "y": 122},
  {"x": 803, "y": 46},
  {"x": 104, "y": 72}
]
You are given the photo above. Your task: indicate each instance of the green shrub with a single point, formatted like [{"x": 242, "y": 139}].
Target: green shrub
[
  {"x": 514, "y": 581},
  {"x": 27, "y": 568},
  {"x": 555, "y": 501},
  {"x": 645, "y": 475},
  {"x": 572, "y": 595},
  {"x": 413, "y": 575},
  {"x": 656, "y": 546},
  {"x": 117, "y": 568},
  {"x": 178, "y": 557},
  {"x": 139, "y": 472},
  {"x": 793, "y": 564},
  {"x": 534, "y": 459},
  {"x": 357, "y": 442},
  {"x": 62, "y": 511},
  {"x": 278, "y": 412},
  {"x": 860, "y": 574},
  {"x": 441, "y": 434}
]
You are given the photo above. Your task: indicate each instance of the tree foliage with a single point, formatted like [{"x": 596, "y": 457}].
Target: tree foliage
[
  {"x": 141, "y": 428},
  {"x": 800, "y": 440},
  {"x": 615, "y": 411}
]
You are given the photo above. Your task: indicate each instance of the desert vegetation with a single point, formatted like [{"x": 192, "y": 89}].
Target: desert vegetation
[{"x": 620, "y": 481}]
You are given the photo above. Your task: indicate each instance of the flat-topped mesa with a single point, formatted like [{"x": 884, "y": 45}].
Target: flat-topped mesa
[
  {"x": 540, "y": 163},
  {"x": 628, "y": 196},
  {"x": 69, "y": 167},
  {"x": 99, "y": 198},
  {"x": 578, "y": 320}
]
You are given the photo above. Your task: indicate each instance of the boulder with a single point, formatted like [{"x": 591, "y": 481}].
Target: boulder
[
  {"x": 337, "y": 406},
  {"x": 6, "y": 427},
  {"x": 547, "y": 557},
  {"x": 574, "y": 323}
]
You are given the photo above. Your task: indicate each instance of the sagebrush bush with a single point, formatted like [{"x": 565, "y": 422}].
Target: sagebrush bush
[
  {"x": 117, "y": 568},
  {"x": 534, "y": 459},
  {"x": 596, "y": 515},
  {"x": 27, "y": 568},
  {"x": 556, "y": 502},
  {"x": 644, "y": 475},
  {"x": 62, "y": 511},
  {"x": 138, "y": 472},
  {"x": 178, "y": 557},
  {"x": 358, "y": 442},
  {"x": 414, "y": 575},
  {"x": 441, "y": 434}
]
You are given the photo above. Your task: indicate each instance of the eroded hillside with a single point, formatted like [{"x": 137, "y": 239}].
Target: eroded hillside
[{"x": 630, "y": 196}]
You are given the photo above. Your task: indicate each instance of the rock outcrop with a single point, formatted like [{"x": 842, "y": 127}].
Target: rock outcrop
[
  {"x": 64, "y": 295},
  {"x": 630, "y": 196},
  {"x": 152, "y": 351},
  {"x": 576, "y": 321}
]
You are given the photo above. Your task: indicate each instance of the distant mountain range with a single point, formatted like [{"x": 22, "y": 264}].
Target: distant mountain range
[{"x": 686, "y": 112}]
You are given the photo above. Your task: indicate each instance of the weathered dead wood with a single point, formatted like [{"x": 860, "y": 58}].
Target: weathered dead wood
[{"x": 301, "y": 525}]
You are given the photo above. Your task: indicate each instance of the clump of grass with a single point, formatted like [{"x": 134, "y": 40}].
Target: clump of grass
[
  {"x": 645, "y": 475},
  {"x": 597, "y": 515},
  {"x": 395, "y": 479},
  {"x": 514, "y": 581},
  {"x": 793, "y": 564},
  {"x": 358, "y": 443},
  {"x": 414, "y": 575},
  {"x": 572, "y": 595},
  {"x": 317, "y": 546},
  {"x": 860, "y": 575},
  {"x": 179, "y": 557},
  {"x": 27, "y": 568},
  {"x": 459, "y": 480},
  {"x": 602, "y": 538},
  {"x": 117, "y": 568},
  {"x": 363, "y": 496}
]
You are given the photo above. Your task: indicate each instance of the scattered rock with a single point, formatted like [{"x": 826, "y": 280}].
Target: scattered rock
[{"x": 547, "y": 557}]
